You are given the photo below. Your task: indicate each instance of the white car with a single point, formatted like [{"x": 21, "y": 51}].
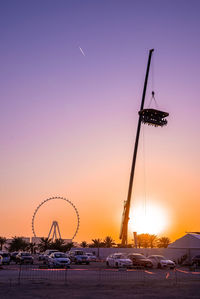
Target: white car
[
  {"x": 58, "y": 259},
  {"x": 91, "y": 257},
  {"x": 44, "y": 257},
  {"x": 160, "y": 261},
  {"x": 118, "y": 260}
]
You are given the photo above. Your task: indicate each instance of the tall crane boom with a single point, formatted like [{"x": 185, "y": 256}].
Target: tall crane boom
[{"x": 125, "y": 217}]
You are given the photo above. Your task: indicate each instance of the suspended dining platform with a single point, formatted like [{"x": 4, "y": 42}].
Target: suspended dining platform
[{"x": 153, "y": 117}]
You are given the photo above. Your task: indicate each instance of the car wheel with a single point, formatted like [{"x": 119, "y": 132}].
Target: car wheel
[
  {"x": 116, "y": 265},
  {"x": 87, "y": 263},
  {"x": 107, "y": 264}
]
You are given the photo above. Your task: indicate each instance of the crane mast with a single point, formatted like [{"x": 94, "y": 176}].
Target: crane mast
[{"x": 125, "y": 216}]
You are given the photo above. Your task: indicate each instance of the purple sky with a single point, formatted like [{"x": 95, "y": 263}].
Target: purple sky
[{"x": 68, "y": 121}]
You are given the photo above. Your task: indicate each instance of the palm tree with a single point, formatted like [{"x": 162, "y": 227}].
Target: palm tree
[
  {"x": 143, "y": 240},
  {"x": 68, "y": 246},
  {"x": 139, "y": 241},
  {"x": 32, "y": 247},
  {"x": 2, "y": 242},
  {"x": 17, "y": 244},
  {"x": 163, "y": 242},
  {"x": 146, "y": 241},
  {"x": 152, "y": 241},
  {"x": 109, "y": 242},
  {"x": 84, "y": 244},
  {"x": 45, "y": 243},
  {"x": 58, "y": 244},
  {"x": 96, "y": 243}
]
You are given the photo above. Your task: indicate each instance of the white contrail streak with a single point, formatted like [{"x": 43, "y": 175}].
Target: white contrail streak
[{"x": 81, "y": 51}]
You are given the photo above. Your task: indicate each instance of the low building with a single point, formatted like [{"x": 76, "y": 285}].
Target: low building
[{"x": 189, "y": 241}]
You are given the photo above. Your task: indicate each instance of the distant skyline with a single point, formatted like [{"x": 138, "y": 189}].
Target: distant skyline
[{"x": 68, "y": 117}]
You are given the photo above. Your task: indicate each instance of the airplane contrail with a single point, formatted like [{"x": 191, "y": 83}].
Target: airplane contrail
[{"x": 81, "y": 51}]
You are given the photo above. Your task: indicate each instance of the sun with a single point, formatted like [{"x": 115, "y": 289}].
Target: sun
[{"x": 151, "y": 219}]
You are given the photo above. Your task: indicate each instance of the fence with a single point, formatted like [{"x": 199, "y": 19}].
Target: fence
[{"x": 33, "y": 274}]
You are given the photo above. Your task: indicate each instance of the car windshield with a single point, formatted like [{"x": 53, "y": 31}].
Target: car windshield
[
  {"x": 119, "y": 256},
  {"x": 57, "y": 255},
  {"x": 160, "y": 257},
  {"x": 139, "y": 257},
  {"x": 79, "y": 253}
]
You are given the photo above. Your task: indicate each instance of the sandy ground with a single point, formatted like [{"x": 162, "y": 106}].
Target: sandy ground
[{"x": 44, "y": 290}]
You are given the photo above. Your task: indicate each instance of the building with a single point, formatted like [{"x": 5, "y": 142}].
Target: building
[{"x": 189, "y": 241}]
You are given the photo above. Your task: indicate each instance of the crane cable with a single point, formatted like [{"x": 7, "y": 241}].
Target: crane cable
[
  {"x": 152, "y": 84},
  {"x": 144, "y": 170}
]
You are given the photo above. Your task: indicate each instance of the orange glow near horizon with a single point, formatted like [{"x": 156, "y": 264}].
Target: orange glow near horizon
[{"x": 151, "y": 220}]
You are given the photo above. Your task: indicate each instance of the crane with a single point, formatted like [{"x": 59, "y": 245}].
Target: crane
[{"x": 147, "y": 116}]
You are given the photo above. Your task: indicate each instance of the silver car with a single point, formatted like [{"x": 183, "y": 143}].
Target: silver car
[
  {"x": 159, "y": 261},
  {"x": 58, "y": 259}
]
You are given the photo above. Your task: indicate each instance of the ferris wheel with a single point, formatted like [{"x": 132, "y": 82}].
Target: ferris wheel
[{"x": 53, "y": 199}]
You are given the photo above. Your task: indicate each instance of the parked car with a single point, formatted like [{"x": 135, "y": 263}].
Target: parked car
[
  {"x": 58, "y": 259},
  {"x": 159, "y": 261},
  {"x": 41, "y": 257},
  {"x": 50, "y": 251},
  {"x": 1, "y": 260},
  {"x": 44, "y": 257},
  {"x": 6, "y": 258},
  {"x": 196, "y": 260},
  {"x": 24, "y": 258},
  {"x": 13, "y": 256},
  {"x": 139, "y": 260},
  {"x": 91, "y": 257},
  {"x": 118, "y": 260},
  {"x": 78, "y": 257}
]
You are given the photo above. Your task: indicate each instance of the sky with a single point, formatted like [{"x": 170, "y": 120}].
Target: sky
[{"x": 71, "y": 81}]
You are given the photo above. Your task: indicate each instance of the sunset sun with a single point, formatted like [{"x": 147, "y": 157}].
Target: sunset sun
[{"x": 151, "y": 220}]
